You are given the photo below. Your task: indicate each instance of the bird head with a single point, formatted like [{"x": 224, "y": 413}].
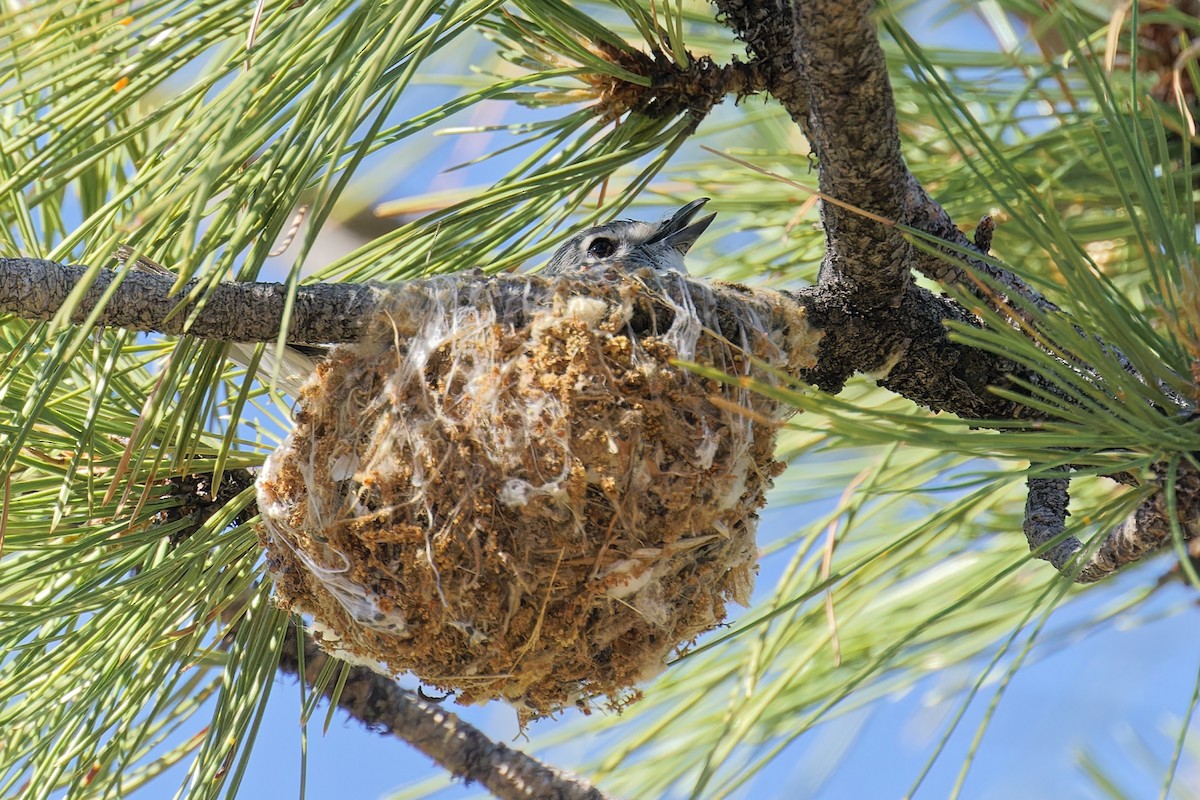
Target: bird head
[{"x": 630, "y": 244}]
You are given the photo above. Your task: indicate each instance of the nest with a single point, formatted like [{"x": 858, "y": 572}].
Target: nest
[{"x": 512, "y": 489}]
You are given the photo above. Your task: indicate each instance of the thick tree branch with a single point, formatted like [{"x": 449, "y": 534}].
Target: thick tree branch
[
  {"x": 246, "y": 312},
  {"x": 857, "y": 143},
  {"x": 907, "y": 347},
  {"x": 907, "y": 350},
  {"x": 851, "y": 126},
  {"x": 822, "y": 61},
  {"x": 846, "y": 110}
]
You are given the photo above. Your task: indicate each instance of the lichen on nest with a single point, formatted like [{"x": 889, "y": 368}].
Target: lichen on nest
[{"x": 513, "y": 490}]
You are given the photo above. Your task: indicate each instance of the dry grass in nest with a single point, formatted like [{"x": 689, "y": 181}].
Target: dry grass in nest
[{"x": 513, "y": 492}]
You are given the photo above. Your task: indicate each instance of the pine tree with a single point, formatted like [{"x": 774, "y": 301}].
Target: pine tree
[{"x": 964, "y": 387}]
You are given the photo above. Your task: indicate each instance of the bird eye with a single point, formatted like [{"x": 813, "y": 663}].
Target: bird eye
[{"x": 600, "y": 247}]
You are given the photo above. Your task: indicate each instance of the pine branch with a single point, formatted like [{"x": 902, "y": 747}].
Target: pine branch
[
  {"x": 1146, "y": 530},
  {"x": 906, "y": 348},
  {"x": 930, "y": 369},
  {"x": 822, "y": 60},
  {"x": 769, "y": 33},
  {"x": 460, "y": 748},
  {"x": 35, "y": 289}
]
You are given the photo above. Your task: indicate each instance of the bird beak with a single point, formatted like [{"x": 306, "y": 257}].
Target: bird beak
[{"x": 676, "y": 232}]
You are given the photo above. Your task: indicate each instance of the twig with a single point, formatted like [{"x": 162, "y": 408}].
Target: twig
[
  {"x": 1046, "y": 519},
  {"x": 462, "y": 749},
  {"x": 1147, "y": 529},
  {"x": 951, "y": 267}
]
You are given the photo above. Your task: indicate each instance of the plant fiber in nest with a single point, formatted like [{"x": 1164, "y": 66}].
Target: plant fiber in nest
[{"x": 510, "y": 488}]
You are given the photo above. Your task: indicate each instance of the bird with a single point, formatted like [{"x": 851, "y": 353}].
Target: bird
[
  {"x": 627, "y": 244},
  {"x": 622, "y": 244}
]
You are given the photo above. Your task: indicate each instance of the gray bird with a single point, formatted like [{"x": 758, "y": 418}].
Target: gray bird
[
  {"x": 623, "y": 244},
  {"x": 627, "y": 244}
]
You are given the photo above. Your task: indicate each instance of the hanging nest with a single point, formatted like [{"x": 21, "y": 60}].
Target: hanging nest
[{"x": 513, "y": 490}]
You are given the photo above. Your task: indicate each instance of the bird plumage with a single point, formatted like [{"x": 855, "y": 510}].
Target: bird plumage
[{"x": 630, "y": 244}]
